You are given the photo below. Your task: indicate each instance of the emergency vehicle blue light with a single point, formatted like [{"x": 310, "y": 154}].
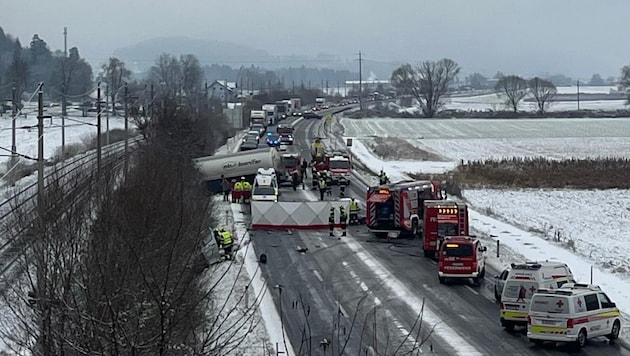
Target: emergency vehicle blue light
[{"x": 269, "y": 133}]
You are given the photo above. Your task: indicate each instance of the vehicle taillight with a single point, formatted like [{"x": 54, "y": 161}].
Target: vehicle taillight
[
  {"x": 570, "y": 323},
  {"x": 529, "y": 320}
]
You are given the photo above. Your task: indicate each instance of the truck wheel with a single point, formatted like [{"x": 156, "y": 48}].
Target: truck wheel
[
  {"x": 442, "y": 280},
  {"x": 429, "y": 254},
  {"x": 509, "y": 326}
]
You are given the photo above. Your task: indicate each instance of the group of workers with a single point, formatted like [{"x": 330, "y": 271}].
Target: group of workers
[
  {"x": 324, "y": 182},
  {"x": 383, "y": 178},
  {"x": 224, "y": 240},
  {"x": 241, "y": 190}
]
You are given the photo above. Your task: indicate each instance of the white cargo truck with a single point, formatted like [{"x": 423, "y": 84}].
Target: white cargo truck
[
  {"x": 258, "y": 117},
  {"x": 236, "y": 165},
  {"x": 272, "y": 113}
]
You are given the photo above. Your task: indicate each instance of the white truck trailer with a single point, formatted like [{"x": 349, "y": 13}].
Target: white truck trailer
[{"x": 236, "y": 165}]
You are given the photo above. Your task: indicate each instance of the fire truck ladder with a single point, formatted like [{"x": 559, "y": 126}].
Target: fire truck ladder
[{"x": 461, "y": 219}]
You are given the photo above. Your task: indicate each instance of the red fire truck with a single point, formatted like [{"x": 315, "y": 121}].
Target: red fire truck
[
  {"x": 442, "y": 218},
  {"x": 397, "y": 209}
]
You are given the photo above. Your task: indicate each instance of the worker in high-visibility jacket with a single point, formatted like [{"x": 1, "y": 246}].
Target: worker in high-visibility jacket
[
  {"x": 354, "y": 212},
  {"x": 322, "y": 188},
  {"x": 343, "y": 220},
  {"x": 237, "y": 193},
  {"x": 226, "y": 243},
  {"x": 331, "y": 220}
]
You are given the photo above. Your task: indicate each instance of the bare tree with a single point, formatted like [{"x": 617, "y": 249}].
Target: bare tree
[
  {"x": 192, "y": 74},
  {"x": 167, "y": 73},
  {"x": 429, "y": 82},
  {"x": 114, "y": 73},
  {"x": 514, "y": 88},
  {"x": 543, "y": 91},
  {"x": 624, "y": 81}
]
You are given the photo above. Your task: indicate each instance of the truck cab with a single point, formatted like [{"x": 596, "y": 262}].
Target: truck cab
[{"x": 339, "y": 165}]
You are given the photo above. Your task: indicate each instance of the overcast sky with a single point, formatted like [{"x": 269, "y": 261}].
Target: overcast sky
[{"x": 576, "y": 37}]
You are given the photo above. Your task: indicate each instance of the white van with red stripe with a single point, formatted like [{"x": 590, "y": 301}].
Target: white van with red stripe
[
  {"x": 572, "y": 313},
  {"x": 523, "y": 280}
]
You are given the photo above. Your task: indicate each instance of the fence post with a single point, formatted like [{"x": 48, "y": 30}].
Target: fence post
[
  {"x": 591, "y": 274},
  {"x": 498, "y": 245}
]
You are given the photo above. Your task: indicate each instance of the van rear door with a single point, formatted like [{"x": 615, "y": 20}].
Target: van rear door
[{"x": 458, "y": 258}]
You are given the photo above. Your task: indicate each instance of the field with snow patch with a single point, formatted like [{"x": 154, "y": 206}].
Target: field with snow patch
[{"x": 468, "y": 139}]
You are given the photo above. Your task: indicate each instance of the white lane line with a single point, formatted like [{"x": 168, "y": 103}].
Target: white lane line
[
  {"x": 472, "y": 290},
  {"x": 354, "y": 276},
  {"x": 318, "y": 276}
]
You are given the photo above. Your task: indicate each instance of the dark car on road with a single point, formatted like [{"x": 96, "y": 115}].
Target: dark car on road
[
  {"x": 311, "y": 115},
  {"x": 249, "y": 145}
]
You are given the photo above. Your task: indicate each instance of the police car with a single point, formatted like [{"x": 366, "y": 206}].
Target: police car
[{"x": 573, "y": 313}]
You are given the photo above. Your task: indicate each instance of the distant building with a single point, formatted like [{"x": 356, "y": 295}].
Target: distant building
[{"x": 222, "y": 90}]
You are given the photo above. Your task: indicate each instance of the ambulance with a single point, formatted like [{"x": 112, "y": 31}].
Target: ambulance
[
  {"x": 572, "y": 313},
  {"x": 523, "y": 280}
]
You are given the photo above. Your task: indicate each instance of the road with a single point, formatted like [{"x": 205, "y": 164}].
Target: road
[{"x": 364, "y": 295}]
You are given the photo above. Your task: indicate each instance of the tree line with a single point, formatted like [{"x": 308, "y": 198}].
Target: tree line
[{"x": 430, "y": 82}]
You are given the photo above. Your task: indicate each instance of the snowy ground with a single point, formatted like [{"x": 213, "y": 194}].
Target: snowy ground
[
  {"x": 468, "y": 139},
  {"x": 77, "y": 130},
  {"x": 593, "y": 225}
]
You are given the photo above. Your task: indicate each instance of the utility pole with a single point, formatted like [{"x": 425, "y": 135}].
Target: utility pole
[
  {"x": 360, "y": 81},
  {"x": 64, "y": 85},
  {"x": 98, "y": 130},
  {"x": 127, "y": 128},
  {"x": 14, "y": 112},
  {"x": 326, "y": 88},
  {"x": 338, "y": 88},
  {"x": 40, "y": 149},
  {"x": 107, "y": 114},
  {"x": 578, "y": 94}
]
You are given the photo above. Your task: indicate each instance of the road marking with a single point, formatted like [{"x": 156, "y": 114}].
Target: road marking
[
  {"x": 318, "y": 275},
  {"x": 364, "y": 287},
  {"x": 472, "y": 290},
  {"x": 354, "y": 275},
  {"x": 323, "y": 244},
  {"x": 344, "y": 263}
]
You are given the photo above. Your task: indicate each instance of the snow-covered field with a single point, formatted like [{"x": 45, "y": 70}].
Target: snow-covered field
[
  {"x": 77, "y": 130},
  {"x": 593, "y": 225},
  {"x": 468, "y": 139}
]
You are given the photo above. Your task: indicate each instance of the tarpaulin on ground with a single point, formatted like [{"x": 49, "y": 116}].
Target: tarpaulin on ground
[{"x": 295, "y": 215}]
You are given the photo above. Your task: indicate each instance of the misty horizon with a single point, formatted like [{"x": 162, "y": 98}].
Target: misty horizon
[{"x": 576, "y": 38}]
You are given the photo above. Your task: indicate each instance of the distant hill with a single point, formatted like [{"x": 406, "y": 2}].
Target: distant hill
[{"x": 141, "y": 56}]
